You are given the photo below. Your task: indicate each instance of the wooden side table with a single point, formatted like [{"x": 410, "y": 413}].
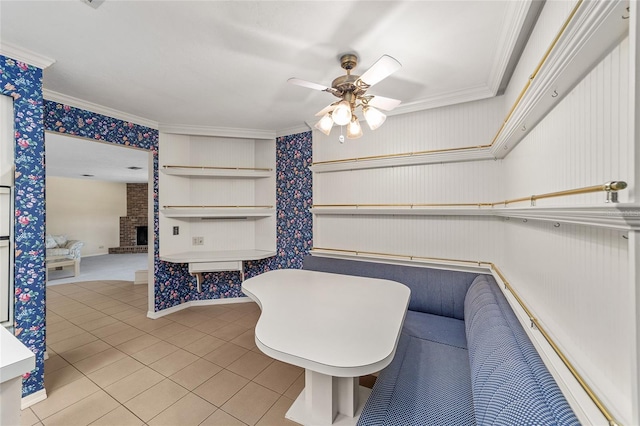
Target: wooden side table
[{"x": 61, "y": 262}]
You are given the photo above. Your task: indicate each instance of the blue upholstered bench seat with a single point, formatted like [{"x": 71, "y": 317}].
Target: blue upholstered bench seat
[
  {"x": 462, "y": 358},
  {"x": 410, "y": 391},
  {"x": 445, "y": 330}
]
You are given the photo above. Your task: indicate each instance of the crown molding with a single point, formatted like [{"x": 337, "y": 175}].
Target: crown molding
[
  {"x": 294, "y": 130},
  {"x": 227, "y": 132},
  {"x": 24, "y": 55},
  {"x": 474, "y": 93},
  {"x": 50, "y": 95},
  {"x": 515, "y": 19}
]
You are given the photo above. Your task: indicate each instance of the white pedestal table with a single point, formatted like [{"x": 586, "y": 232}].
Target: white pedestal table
[{"x": 336, "y": 327}]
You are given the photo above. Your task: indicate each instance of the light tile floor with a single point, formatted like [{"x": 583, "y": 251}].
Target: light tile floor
[{"x": 111, "y": 365}]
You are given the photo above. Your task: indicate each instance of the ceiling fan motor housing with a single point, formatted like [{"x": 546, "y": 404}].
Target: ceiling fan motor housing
[
  {"x": 344, "y": 84},
  {"x": 348, "y": 61}
]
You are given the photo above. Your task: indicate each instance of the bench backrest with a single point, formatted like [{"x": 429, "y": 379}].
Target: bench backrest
[
  {"x": 510, "y": 383},
  {"x": 433, "y": 291}
]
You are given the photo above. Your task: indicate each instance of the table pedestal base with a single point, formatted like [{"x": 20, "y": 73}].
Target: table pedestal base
[{"x": 328, "y": 400}]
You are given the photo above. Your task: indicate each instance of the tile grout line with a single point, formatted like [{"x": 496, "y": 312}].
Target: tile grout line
[{"x": 240, "y": 316}]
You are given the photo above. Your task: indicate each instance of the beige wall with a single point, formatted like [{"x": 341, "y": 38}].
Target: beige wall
[{"x": 86, "y": 210}]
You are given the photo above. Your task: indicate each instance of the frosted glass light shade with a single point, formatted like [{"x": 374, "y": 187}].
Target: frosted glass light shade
[
  {"x": 374, "y": 117},
  {"x": 325, "y": 124},
  {"x": 354, "y": 130},
  {"x": 342, "y": 113}
]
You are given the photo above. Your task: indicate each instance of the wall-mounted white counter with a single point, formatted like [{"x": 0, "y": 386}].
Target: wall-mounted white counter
[
  {"x": 216, "y": 261},
  {"x": 15, "y": 360}
]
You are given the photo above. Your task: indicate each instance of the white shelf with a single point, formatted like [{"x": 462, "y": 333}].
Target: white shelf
[
  {"x": 218, "y": 213},
  {"x": 613, "y": 216},
  {"x": 221, "y": 190},
  {"x": 217, "y": 256},
  {"x": 217, "y": 172}
]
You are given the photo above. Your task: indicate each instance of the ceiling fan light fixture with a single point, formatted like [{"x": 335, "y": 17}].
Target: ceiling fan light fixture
[
  {"x": 325, "y": 124},
  {"x": 342, "y": 113},
  {"x": 374, "y": 117},
  {"x": 354, "y": 129}
]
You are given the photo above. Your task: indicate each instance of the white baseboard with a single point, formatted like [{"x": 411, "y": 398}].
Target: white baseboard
[
  {"x": 33, "y": 398},
  {"x": 185, "y": 305},
  {"x": 141, "y": 277}
]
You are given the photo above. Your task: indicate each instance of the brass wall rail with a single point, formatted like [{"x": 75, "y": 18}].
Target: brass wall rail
[
  {"x": 610, "y": 188},
  {"x": 504, "y": 122},
  {"x": 400, "y": 256},
  {"x": 534, "y": 321},
  {"x": 403, "y": 154},
  {"x": 217, "y": 168}
]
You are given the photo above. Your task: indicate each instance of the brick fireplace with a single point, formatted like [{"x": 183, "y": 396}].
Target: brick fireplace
[{"x": 133, "y": 226}]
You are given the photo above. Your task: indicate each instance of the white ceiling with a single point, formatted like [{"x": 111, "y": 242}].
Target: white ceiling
[
  {"x": 76, "y": 157},
  {"x": 225, "y": 64}
]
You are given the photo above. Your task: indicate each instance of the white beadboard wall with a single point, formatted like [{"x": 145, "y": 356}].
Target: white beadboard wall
[
  {"x": 583, "y": 141},
  {"x": 574, "y": 278},
  {"x": 436, "y": 183},
  {"x": 450, "y": 237},
  {"x": 468, "y": 124}
]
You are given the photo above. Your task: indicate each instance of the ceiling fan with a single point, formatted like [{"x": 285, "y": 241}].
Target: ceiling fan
[{"x": 352, "y": 91}]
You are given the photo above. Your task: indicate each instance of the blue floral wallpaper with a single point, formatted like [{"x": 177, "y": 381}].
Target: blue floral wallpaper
[
  {"x": 294, "y": 222},
  {"x": 24, "y": 84},
  {"x": 78, "y": 122},
  {"x": 33, "y": 115},
  {"x": 174, "y": 284}
]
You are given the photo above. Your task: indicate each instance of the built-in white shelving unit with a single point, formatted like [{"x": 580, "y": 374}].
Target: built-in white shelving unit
[{"x": 217, "y": 201}]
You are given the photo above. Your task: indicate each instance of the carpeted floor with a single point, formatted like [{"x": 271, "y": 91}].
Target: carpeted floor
[{"x": 103, "y": 267}]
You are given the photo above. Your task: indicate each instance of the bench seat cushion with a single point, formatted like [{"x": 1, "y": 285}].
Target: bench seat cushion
[
  {"x": 511, "y": 385},
  {"x": 445, "y": 330},
  {"x": 433, "y": 291},
  {"x": 427, "y": 383}
]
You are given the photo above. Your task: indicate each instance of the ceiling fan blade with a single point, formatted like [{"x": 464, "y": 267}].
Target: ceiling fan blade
[
  {"x": 327, "y": 109},
  {"x": 381, "y": 69},
  {"x": 381, "y": 102},
  {"x": 308, "y": 84}
]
